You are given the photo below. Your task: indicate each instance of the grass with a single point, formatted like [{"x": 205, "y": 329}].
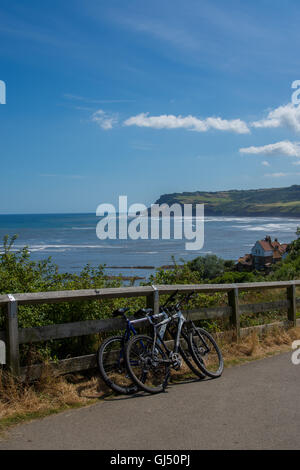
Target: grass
[
  {"x": 20, "y": 402},
  {"x": 285, "y": 201},
  {"x": 253, "y": 347}
]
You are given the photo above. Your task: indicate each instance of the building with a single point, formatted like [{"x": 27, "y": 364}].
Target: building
[
  {"x": 245, "y": 263},
  {"x": 263, "y": 255}
]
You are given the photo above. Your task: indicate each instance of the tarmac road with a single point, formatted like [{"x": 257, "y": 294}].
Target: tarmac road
[{"x": 252, "y": 406}]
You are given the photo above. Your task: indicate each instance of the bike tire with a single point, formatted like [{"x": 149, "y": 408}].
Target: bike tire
[
  {"x": 141, "y": 364},
  {"x": 114, "y": 373},
  {"x": 211, "y": 365},
  {"x": 188, "y": 357}
]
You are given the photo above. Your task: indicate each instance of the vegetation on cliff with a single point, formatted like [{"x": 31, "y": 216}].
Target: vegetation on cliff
[{"x": 253, "y": 202}]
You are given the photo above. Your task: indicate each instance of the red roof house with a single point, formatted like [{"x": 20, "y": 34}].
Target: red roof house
[{"x": 264, "y": 253}]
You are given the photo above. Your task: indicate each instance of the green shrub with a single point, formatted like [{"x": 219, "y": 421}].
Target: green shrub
[{"x": 208, "y": 266}]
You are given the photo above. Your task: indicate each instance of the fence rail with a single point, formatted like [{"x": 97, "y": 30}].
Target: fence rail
[{"x": 14, "y": 336}]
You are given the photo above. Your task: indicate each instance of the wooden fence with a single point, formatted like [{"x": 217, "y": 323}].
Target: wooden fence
[{"x": 14, "y": 336}]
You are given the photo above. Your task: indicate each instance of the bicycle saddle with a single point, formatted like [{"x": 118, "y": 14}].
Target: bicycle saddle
[
  {"x": 120, "y": 312},
  {"x": 142, "y": 312}
]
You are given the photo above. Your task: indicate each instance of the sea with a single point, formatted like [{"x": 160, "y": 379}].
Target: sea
[{"x": 71, "y": 241}]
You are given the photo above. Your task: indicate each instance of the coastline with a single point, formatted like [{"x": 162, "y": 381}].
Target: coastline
[{"x": 71, "y": 241}]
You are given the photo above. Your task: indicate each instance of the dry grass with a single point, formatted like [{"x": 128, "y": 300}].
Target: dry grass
[
  {"x": 50, "y": 394},
  {"x": 254, "y": 346},
  {"x": 21, "y": 401}
]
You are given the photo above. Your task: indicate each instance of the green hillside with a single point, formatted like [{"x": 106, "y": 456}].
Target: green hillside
[{"x": 254, "y": 202}]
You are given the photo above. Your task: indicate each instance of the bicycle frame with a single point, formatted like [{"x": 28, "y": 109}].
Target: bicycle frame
[
  {"x": 131, "y": 330},
  {"x": 159, "y": 338}
]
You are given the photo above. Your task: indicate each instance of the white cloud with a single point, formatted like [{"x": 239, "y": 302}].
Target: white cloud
[
  {"x": 277, "y": 175},
  {"x": 285, "y": 147},
  {"x": 169, "y": 121},
  {"x": 283, "y": 116},
  {"x": 104, "y": 120},
  {"x": 281, "y": 175},
  {"x": 265, "y": 163}
]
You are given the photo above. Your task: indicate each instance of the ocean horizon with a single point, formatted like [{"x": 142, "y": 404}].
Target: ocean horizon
[{"x": 71, "y": 240}]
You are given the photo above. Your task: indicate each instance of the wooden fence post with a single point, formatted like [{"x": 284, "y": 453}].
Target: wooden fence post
[
  {"x": 12, "y": 336},
  {"x": 153, "y": 300},
  {"x": 233, "y": 301},
  {"x": 292, "y": 310}
]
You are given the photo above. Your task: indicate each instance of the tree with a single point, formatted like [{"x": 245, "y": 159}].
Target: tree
[
  {"x": 289, "y": 267},
  {"x": 208, "y": 266},
  {"x": 294, "y": 250}
]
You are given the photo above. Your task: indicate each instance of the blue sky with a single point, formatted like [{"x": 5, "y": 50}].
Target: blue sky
[{"x": 144, "y": 98}]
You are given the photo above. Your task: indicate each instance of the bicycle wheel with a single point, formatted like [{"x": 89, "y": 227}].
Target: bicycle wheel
[
  {"x": 112, "y": 366},
  {"x": 206, "y": 352},
  {"x": 149, "y": 369},
  {"x": 187, "y": 356}
]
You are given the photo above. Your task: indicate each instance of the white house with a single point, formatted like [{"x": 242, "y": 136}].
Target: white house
[{"x": 263, "y": 254}]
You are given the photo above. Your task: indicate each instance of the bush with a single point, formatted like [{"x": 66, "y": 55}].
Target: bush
[
  {"x": 238, "y": 277},
  {"x": 208, "y": 267},
  {"x": 289, "y": 268}
]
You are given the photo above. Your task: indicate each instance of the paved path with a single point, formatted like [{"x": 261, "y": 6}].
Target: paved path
[{"x": 253, "y": 406}]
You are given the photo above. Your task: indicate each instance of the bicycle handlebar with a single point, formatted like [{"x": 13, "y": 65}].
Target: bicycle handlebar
[
  {"x": 184, "y": 299},
  {"x": 172, "y": 296}
]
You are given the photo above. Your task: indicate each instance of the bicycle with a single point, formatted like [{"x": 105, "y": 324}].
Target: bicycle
[
  {"x": 111, "y": 356},
  {"x": 152, "y": 359}
]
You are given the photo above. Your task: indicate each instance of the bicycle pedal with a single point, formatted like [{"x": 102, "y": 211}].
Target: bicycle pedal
[{"x": 176, "y": 361}]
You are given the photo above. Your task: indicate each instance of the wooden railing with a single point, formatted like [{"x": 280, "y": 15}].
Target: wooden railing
[{"x": 14, "y": 336}]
